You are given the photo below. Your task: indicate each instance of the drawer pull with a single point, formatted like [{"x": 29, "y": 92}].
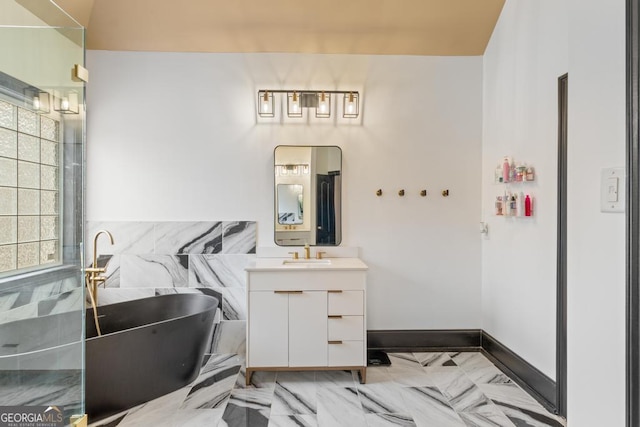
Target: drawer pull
[
  {"x": 287, "y": 292},
  {"x": 335, "y": 292},
  {"x": 335, "y": 342},
  {"x": 335, "y": 317}
]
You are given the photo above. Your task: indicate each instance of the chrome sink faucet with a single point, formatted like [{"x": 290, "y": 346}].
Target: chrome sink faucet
[{"x": 93, "y": 273}]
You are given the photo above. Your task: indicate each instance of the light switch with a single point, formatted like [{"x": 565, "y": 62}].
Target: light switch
[{"x": 612, "y": 190}]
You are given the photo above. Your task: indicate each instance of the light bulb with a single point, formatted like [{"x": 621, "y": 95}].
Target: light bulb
[
  {"x": 265, "y": 102},
  {"x": 36, "y": 103},
  {"x": 323, "y": 103},
  {"x": 64, "y": 104},
  {"x": 351, "y": 105},
  {"x": 295, "y": 104}
]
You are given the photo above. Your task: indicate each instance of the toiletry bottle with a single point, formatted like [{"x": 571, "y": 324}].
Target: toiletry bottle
[
  {"x": 512, "y": 172},
  {"x": 520, "y": 205},
  {"x": 498, "y": 174},
  {"x": 505, "y": 170},
  {"x": 530, "y": 174},
  {"x": 498, "y": 205},
  {"x": 527, "y": 206},
  {"x": 507, "y": 205},
  {"x": 513, "y": 207}
]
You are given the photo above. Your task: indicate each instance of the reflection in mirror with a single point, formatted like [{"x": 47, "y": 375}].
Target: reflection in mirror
[
  {"x": 308, "y": 195},
  {"x": 290, "y": 206}
]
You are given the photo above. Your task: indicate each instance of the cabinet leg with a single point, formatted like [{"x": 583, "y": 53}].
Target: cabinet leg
[
  {"x": 247, "y": 377},
  {"x": 363, "y": 375}
]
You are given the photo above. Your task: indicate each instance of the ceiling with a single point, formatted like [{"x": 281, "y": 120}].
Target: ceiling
[{"x": 399, "y": 27}]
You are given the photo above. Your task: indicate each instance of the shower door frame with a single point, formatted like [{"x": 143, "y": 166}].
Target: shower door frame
[{"x": 633, "y": 213}]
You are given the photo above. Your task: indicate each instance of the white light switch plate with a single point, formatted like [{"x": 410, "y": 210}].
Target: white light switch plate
[{"x": 612, "y": 190}]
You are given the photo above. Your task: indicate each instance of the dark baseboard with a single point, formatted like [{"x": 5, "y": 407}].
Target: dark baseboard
[
  {"x": 537, "y": 384},
  {"x": 522, "y": 372},
  {"x": 425, "y": 340}
]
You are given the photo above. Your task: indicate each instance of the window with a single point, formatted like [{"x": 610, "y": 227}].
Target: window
[{"x": 29, "y": 189}]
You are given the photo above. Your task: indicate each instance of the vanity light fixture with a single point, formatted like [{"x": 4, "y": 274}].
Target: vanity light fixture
[
  {"x": 350, "y": 105},
  {"x": 323, "y": 110},
  {"x": 266, "y": 106},
  {"x": 298, "y": 100},
  {"x": 38, "y": 100},
  {"x": 292, "y": 169},
  {"x": 66, "y": 103},
  {"x": 293, "y": 104}
]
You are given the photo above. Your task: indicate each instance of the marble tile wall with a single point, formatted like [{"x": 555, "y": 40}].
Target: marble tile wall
[
  {"x": 154, "y": 258},
  {"x": 42, "y": 296}
]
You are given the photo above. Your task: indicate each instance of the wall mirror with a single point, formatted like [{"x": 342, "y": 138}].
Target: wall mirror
[{"x": 308, "y": 191}]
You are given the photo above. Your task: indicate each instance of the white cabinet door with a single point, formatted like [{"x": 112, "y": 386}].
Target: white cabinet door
[
  {"x": 268, "y": 329},
  {"x": 308, "y": 328}
]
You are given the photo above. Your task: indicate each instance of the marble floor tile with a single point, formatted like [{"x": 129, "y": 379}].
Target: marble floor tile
[
  {"x": 463, "y": 394},
  {"x": 470, "y": 360},
  {"x": 518, "y": 406},
  {"x": 293, "y": 421},
  {"x": 486, "y": 416},
  {"x": 487, "y": 375},
  {"x": 212, "y": 389},
  {"x": 378, "y": 375},
  {"x": 382, "y": 399},
  {"x": 411, "y": 377},
  {"x": 389, "y": 420},
  {"x": 158, "y": 412},
  {"x": 339, "y": 407},
  {"x": 429, "y": 408},
  {"x": 197, "y": 417},
  {"x": 335, "y": 379},
  {"x": 294, "y": 398},
  {"x": 403, "y": 360},
  {"x": 335, "y": 398},
  {"x": 434, "y": 359},
  {"x": 260, "y": 379},
  {"x": 248, "y": 408}
]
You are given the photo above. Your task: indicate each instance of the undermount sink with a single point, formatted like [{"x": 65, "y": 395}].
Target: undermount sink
[{"x": 306, "y": 262}]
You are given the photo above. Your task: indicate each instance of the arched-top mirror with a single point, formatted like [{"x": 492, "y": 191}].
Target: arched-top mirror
[{"x": 307, "y": 195}]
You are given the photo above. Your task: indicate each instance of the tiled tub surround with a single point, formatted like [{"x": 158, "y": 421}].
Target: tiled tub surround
[
  {"x": 155, "y": 258},
  {"x": 418, "y": 389}
]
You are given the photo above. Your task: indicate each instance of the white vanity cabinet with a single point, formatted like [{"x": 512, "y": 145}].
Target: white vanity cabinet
[{"x": 306, "y": 316}]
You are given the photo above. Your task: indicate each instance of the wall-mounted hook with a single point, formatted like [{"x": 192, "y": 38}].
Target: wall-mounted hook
[
  {"x": 423, "y": 193},
  {"x": 445, "y": 193},
  {"x": 401, "y": 193},
  {"x": 379, "y": 192}
]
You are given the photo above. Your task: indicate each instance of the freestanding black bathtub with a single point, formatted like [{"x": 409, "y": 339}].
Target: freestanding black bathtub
[{"x": 149, "y": 347}]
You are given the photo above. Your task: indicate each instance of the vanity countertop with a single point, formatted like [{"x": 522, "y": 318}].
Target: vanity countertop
[{"x": 326, "y": 264}]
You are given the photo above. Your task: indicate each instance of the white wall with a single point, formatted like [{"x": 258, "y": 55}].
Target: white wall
[
  {"x": 174, "y": 137},
  {"x": 527, "y": 53},
  {"x": 596, "y": 249}
]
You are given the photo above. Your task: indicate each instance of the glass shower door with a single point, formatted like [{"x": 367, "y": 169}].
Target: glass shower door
[{"x": 42, "y": 132}]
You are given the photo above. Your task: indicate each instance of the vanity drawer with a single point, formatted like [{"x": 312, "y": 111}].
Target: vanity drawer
[
  {"x": 348, "y": 328},
  {"x": 346, "y": 303},
  {"x": 346, "y": 353}
]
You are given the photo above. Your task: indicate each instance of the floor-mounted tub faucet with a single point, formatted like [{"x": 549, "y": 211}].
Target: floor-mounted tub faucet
[{"x": 93, "y": 273}]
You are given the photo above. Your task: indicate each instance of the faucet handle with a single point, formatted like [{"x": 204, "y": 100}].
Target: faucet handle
[
  {"x": 319, "y": 254},
  {"x": 295, "y": 254}
]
